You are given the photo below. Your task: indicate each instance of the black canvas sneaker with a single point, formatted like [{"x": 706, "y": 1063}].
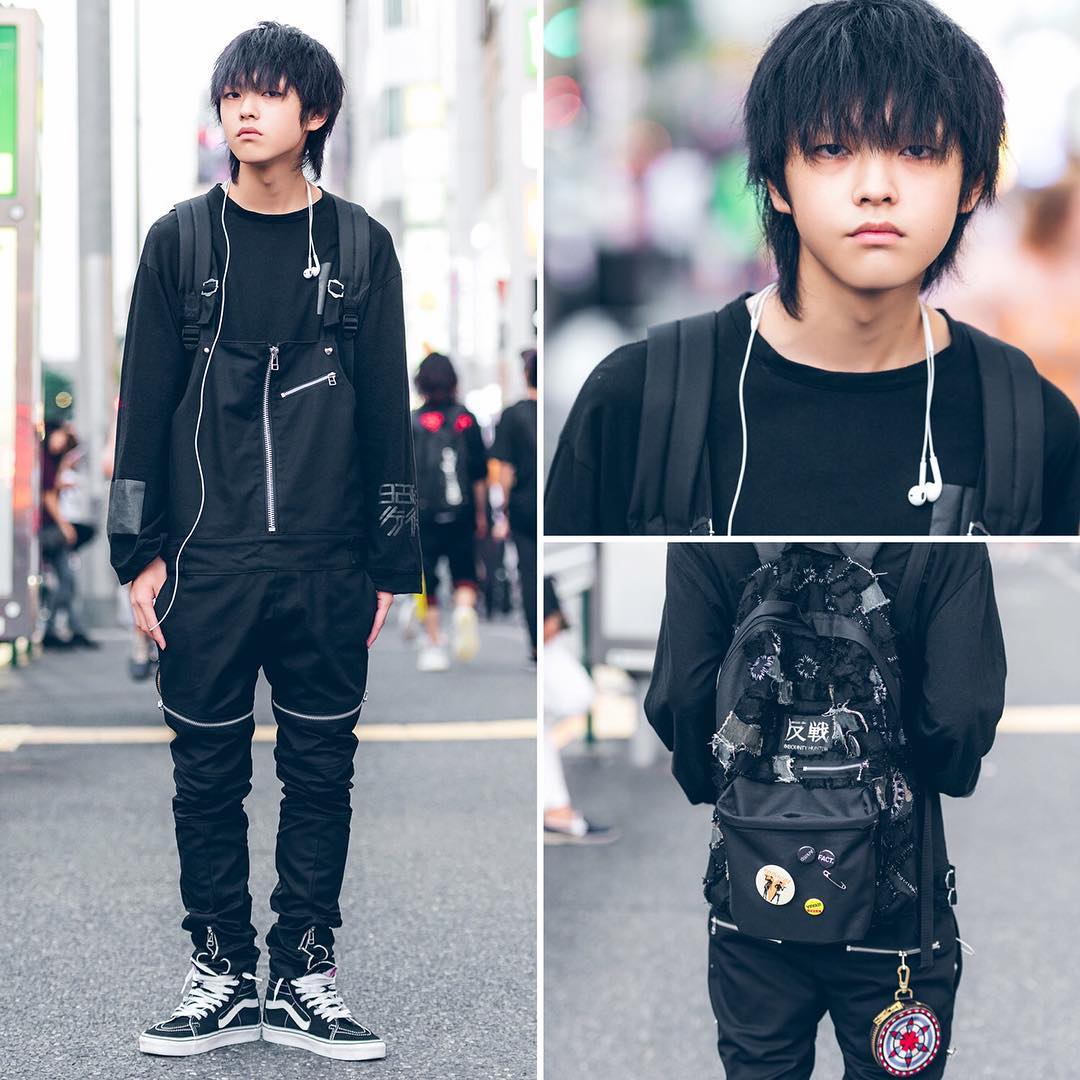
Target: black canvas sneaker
[
  {"x": 308, "y": 1012},
  {"x": 216, "y": 1010}
]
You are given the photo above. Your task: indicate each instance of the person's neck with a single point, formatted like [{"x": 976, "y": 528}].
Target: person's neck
[
  {"x": 847, "y": 329},
  {"x": 530, "y": 392},
  {"x": 273, "y": 190}
]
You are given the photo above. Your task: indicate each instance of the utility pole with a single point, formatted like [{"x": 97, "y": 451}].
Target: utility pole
[{"x": 97, "y": 343}]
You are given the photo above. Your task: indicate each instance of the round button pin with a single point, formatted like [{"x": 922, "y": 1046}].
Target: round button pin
[
  {"x": 826, "y": 857},
  {"x": 806, "y": 854},
  {"x": 813, "y": 907},
  {"x": 775, "y": 885}
]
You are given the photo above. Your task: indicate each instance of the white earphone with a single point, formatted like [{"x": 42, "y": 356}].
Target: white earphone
[
  {"x": 925, "y": 491},
  {"x": 313, "y": 257},
  {"x": 922, "y": 492}
]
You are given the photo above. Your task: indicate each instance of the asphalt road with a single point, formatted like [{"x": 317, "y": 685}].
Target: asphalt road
[
  {"x": 438, "y": 953},
  {"x": 625, "y": 957}
]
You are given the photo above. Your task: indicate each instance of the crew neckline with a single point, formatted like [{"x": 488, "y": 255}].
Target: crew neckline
[
  {"x": 255, "y": 215},
  {"x": 762, "y": 352}
]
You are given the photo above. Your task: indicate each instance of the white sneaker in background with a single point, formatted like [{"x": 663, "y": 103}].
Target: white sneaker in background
[
  {"x": 432, "y": 658},
  {"x": 466, "y": 633}
]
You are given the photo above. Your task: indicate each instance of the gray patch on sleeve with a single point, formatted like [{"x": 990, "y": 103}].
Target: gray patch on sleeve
[{"x": 125, "y": 507}]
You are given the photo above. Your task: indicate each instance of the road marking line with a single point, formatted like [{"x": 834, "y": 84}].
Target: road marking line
[{"x": 12, "y": 736}]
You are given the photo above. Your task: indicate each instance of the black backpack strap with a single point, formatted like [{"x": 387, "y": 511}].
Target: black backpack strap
[
  {"x": 198, "y": 286},
  {"x": 903, "y": 614},
  {"x": 346, "y": 292},
  {"x": 671, "y": 492},
  {"x": 1009, "y": 495}
]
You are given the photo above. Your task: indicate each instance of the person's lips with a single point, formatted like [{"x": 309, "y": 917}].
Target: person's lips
[
  {"x": 876, "y": 232},
  {"x": 248, "y": 131}
]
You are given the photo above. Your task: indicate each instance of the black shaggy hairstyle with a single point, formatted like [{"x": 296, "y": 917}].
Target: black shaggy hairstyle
[
  {"x": 436, "y": 379},
  {"x": 259, "y": 59},
  {"x": 876, "y": 73}
]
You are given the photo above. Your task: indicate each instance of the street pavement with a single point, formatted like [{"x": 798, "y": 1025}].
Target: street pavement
[
  {"x": 625, "y": 926},
  {"x": 438, "y": 950}
]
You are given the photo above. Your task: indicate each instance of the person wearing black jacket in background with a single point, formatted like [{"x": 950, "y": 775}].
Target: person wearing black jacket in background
[
  {"x": 768, "y": 998},
  {"x": 514, "y": 452},
  {"x": 263, "y": 503}
]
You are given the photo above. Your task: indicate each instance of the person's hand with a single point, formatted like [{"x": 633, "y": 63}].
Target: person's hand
[
  {"x": 481, "y": 527},
  {"x": 385, "y": 600},
  {"x": 144, "y": 590},
  {"x": 501, "y": 529},
  {"x": 71, "y": 534}
]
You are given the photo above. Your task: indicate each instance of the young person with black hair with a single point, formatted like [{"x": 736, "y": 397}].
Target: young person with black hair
[
  {"x": 944, "y": 637},
  {"x": 263, "y": 504},
  {"x": 451, "y": 476},
  {"x": 875, "y": 130},
  {"x": 514, "y": 455}
]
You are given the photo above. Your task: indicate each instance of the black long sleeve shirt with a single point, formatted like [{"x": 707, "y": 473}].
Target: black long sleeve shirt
[
  {"x": 831, "y": 453},
  {"x": 266, "y": 299}
]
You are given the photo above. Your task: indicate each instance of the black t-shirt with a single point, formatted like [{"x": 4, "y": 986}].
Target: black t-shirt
[
  {"x": 830, "y": 453},
  {"x": 515, "y": 443}
]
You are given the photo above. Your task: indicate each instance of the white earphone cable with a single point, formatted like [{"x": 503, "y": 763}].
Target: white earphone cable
[
  {"x": 198, "y": 422},
  {"x": 757, "y": 304}
]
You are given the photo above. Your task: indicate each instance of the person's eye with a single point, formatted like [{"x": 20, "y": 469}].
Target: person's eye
[
  {"x": 273, "y": 93},
  {"x": 921, "y": 151},
  {"x": 830, "y": 151}
]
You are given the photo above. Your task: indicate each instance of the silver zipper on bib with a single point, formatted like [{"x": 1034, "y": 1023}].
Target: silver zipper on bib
[
  {"x": 330, "y": 378},
  {"x": 271, "y": 524}
]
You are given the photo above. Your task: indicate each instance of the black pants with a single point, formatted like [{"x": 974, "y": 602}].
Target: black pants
[
  {"x": 525, "y": 541},
  {"x": 454, "y": 540},
  {"x": 307, "y": 630},
  {"x": 768, "y": 999}
]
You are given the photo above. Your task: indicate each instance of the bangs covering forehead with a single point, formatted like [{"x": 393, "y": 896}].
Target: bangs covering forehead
[
  {"x": 274, "y": 56},
  {"x": 880, "y": 74}
]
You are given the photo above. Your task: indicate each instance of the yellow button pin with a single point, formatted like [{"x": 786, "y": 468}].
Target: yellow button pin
[{"x": 813, "y": 907}]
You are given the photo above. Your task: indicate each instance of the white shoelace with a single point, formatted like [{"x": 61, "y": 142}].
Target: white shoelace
[
  {"x": 319, "y": 991},
  {"x": 204, "y": 990}
]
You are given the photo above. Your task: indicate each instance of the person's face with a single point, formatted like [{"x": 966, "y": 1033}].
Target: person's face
[
  {"x": 914, "y": 188},
  {"x": 264, "y": 127}
]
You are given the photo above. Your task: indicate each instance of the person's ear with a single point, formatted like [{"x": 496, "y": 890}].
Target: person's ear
[
  {"x": 780, "y": 204},
  {"x": 315, "y": 122},
  {"x": 970, "y": 202}
]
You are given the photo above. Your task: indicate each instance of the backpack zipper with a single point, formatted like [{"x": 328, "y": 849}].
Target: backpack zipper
[
  {"x": 271, "y": 524},
  {"x": 330, "y": 378},
  {"x": 889, "y": 952}
]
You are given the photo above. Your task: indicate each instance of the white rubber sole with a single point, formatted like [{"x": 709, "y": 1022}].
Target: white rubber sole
[
  {"x": 152, "y": 1044},
  {"x": 325, "y": 1047}
]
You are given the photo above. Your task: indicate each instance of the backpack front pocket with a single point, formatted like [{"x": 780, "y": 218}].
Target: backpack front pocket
[{"x": 801, "y": 862}]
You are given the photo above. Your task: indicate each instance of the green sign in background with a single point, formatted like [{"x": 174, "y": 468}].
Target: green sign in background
[{"x": 9, "y": 108}]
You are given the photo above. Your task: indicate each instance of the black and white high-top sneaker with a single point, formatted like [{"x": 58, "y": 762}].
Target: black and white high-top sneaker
[
  {"x": 216, "y": 1010},
  {"x": 308, "y": 1012}
]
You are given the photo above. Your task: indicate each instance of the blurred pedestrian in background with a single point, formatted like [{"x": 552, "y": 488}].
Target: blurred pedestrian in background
[
  {"x": 60, "y": 537},
  {"x": 568, "y": 691},
  {"x": 451, "y": 483},
  {"x": 514, "y": 451}
]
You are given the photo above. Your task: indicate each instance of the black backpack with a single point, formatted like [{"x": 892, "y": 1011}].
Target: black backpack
[
  {"x": 198, "y": 272},
  {"x": 816, "y": 829},
  {"x": 442, "y": 474},
  {"x": 672, "y": 489}
]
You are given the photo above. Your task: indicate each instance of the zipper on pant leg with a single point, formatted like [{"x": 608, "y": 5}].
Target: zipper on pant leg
[{"x": 271, "y": 524}]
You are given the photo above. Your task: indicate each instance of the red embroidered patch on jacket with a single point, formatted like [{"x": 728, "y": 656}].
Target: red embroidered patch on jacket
[
  {"x": 431, "y": 421},
  {"x": 462, "y": 422}
]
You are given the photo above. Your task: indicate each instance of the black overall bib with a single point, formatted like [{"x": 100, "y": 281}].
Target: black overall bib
[{"x": 272, "y": 577}]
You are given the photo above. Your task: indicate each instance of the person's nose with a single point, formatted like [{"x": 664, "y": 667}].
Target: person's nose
[
  {"x": 874, "y": 181},
  {"x": 249, "y": 107}
]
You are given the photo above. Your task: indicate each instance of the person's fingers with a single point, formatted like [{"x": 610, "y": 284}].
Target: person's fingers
[
  {"x": 380, "y": 617},
  {"x": 145, "y": 618}
]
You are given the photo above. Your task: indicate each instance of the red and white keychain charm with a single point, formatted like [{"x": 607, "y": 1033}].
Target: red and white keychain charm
[{"x": 907, "y": 1035}]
